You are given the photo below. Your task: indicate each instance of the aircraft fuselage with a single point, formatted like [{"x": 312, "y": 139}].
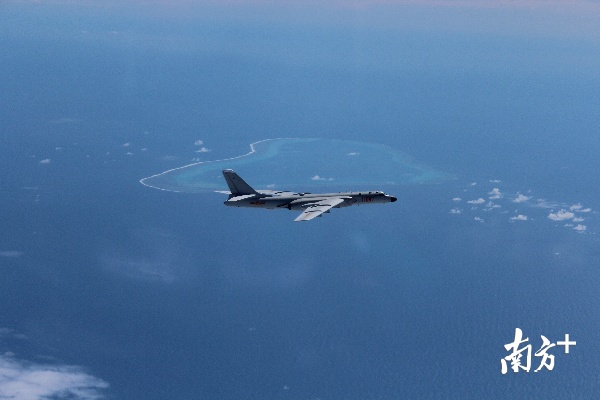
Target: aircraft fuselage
[
  {"x": 311, "y": 205},
  {"x": 299, "y": 201}
]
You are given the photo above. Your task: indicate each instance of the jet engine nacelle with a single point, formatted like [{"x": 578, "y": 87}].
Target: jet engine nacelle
[{"x": 299, "y": 205}]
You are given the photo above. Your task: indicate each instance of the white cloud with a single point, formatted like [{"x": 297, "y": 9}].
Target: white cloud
[
  {"x": 46, "y": 161},
  {"x": 561, "y": 215},
  {"x": 152, "y": 255},
  {"x": 586, "y": 210},
  {"x": 455, "y": 211},
  {"x": 12, "y": 334},
  {"x": 519, "y": 217},
  {"x": 473, "y": 183},
  {"x": 580, "y": 228},
  {"x": 575, "y": 207},
  {"x": 202, "y": 150},
  {"x": 495, "y": 193},
  {"x": 491, "y": 205},
  {"x": 5, "y": 331},
  {"x": 21, "y": 379},
  {"x": 478, "y": 219},
  {"x": 495, "y": 180},
  {"x": 198, "y": 143},
  {"x": 457, "y": 199},
  {"x": 352, "y": 154},
  {"x": 320, "y": 178},
  {"x": 578, "y": 219},
  {"x": 521, "y": 198},
  {"x": 11, "y": 253},
  {"x": 143, "y": 269},
  {"x": 478, "y": 201},
  {"x": 126, "y": 144},
  {"x": 543, "y": 203}
]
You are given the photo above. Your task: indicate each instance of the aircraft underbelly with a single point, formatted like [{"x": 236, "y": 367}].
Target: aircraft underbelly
[{"x": 275, "y": 203}]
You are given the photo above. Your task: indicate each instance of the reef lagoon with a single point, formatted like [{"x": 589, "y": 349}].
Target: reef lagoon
[{"x": 300, "y": 163}]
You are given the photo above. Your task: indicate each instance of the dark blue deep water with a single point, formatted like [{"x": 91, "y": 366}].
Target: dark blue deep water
[{"x": 153, "y": 294}]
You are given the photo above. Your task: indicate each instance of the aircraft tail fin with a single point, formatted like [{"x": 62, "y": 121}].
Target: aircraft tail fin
[{"x": 237, "y": 185}]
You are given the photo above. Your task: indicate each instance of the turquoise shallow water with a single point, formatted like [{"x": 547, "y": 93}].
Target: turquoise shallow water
[{"x": 301, "y": 163}]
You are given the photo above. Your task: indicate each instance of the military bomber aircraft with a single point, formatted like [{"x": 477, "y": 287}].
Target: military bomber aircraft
[{"x": 312, "y": 205}]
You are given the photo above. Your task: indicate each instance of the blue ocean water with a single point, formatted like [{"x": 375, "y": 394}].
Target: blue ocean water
[
  {"x": 281, "y": 164},
  {"x": 171, "y": 295}
]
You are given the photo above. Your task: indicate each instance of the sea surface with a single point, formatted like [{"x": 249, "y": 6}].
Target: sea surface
[{"x": 124, "y": 291}]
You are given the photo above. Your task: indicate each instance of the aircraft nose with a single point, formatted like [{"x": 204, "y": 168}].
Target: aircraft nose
[{"x": 393, "y": 199}]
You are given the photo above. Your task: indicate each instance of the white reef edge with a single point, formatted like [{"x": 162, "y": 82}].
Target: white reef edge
[{"x": 252, "y": 151}]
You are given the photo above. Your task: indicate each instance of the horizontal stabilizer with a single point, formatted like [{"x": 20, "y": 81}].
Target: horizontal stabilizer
[{"x": 242, "y": 197}]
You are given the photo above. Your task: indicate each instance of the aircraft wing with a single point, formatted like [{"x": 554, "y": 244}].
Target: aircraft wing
[{"x": 316, "y": 209}]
